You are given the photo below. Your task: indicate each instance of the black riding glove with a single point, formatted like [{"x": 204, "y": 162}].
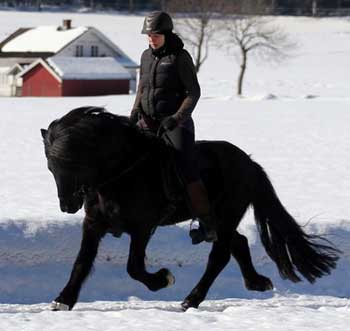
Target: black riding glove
[
  {"x": 134, "y": 116},
  {"x": 169, "y": 123}
]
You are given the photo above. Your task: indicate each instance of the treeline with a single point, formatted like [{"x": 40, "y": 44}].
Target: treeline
[
  {"x": 124, "y": 5},
  {"x": 272, "y": 7}
]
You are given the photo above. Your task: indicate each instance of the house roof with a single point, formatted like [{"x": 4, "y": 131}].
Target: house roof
[
  {"x": 42, "y": 39},
  {"x": 88, "y": 68},
  {"x": 44, "y": 64},
  {"x": 46, "y": 41},
  {"x": 17, "y": 68},
  {"x": 13, "y": 36},
  {"x": 82, "y": 68},
  {"x": 11, "y": 61}
]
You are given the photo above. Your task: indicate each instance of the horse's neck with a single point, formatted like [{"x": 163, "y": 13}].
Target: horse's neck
[{"x": 127, "y": 155}]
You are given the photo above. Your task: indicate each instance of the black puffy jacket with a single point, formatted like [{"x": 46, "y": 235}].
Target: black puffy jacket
[{"x": 168, "y": 82}]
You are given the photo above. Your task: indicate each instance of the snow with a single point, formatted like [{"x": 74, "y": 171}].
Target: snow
[
  {"x": 43, "y": 39},
  {"x": 293, "y": 120},
  {"x": 88, "y": 68},
  {"x": 279, "y": 313}
]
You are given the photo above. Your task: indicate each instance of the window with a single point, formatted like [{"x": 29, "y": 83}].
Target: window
[
  {"x": 94, "y": 51},
  {"x": 79, "y": 50}
]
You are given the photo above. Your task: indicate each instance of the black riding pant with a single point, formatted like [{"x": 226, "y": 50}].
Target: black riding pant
[{"x": 182, "y": 139}]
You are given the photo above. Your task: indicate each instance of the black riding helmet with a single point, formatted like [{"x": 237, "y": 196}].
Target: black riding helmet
[{"x": 157, "y": 22}]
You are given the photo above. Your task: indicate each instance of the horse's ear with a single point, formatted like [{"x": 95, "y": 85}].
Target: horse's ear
[{"x": 43, "y": 133}]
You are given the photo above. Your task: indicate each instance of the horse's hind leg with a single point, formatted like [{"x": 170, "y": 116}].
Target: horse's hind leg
[
  {"x": 240, "y": 251},
  {"x": 92, "y": 234},
  {"x": 136, "y": 264},
  {"x": 218, "y": 259}
]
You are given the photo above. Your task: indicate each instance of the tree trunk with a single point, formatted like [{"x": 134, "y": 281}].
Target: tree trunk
[
  {"x": 163, "y": 5},
  {"x": 339, "y": 4},
  {"x": 131, "y": 6},
  {"x": 197, "y": 63},
  {"x": 199, "y": 48},
  {"x": 242, "y": 72},
  {"x": 314, "y": 8}
]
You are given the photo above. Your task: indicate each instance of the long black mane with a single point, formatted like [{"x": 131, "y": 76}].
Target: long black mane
[{"x": 88, "y": 135}]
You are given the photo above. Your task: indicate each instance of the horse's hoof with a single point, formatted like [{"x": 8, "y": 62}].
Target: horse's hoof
[
  {"x": 260, "y": 284},
  {"x": 171, "y": 279},
  {"x": 58, "y": 306},
  {"x": 196, "y": 236},
  {"x": 185, "y": 305}
]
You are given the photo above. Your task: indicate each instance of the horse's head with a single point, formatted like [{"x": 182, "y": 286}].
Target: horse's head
[
  {"x": 67, "y": 149},
  {"x": 85, "y": 148},
  {"x": 68, "y": 179}
]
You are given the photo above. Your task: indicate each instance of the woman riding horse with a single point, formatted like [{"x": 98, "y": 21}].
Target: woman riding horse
[{"x": 167, "y": 94}]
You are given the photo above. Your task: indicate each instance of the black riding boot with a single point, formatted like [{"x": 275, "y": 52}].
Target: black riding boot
[{"x": 201, "y": 207}]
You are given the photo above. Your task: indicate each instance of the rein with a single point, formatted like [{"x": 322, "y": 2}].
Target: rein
[
  {"x": 125, "y": 171},
  {"x": 160, "y": 132}
]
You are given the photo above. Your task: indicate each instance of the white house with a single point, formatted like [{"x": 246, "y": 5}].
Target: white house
[{"x": 27, "y": 45}]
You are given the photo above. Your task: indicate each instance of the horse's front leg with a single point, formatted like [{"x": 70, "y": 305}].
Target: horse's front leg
[
  {"x": 93, "y": 231},
  {"x": 136, "y": 264}
]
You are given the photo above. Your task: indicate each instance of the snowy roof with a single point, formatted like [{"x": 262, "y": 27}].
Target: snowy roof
[
  {"x": 11, "y": 61},
  {"x": 127, "y": 62},
  {"x": 85, "y": 68},
  {"x": 43, "y": 39},
  {"x": 88, "y": 68}
]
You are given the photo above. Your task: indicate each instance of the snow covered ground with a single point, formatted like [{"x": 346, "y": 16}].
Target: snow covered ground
[
  {"x": 293, "y": 121},
  {"x": 287, "y": 313}
]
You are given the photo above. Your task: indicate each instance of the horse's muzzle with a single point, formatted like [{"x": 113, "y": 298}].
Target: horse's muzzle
[{"x": 71, "y": 207}]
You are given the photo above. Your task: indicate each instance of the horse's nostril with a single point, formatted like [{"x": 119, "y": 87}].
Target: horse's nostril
[{"x": 63, "y": 207}]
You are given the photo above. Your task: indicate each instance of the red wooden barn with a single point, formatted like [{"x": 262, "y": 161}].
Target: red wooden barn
[{"x": 70, "y": 76}]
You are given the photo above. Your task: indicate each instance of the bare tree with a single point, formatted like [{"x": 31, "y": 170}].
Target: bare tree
[
  {"x": 256, "y": 35},
  {"x": 195, "y": 22},
  {"x": 314, "y": 7}
]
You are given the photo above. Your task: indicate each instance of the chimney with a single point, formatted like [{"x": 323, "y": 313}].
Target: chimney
[{"x": 67, "y": 24}]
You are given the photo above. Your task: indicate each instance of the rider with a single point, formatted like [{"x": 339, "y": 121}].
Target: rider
[{"x": 167, "y": 94}]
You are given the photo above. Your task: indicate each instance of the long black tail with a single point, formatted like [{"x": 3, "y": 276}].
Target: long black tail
[{"x": 284, "y": 240}]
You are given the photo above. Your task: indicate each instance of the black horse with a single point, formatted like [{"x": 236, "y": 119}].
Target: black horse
[{"x": 104, "y": 162}]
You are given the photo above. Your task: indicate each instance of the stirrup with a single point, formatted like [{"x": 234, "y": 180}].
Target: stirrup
[
  {"x": 201, "y": 234},
  {"x": 197, "y": 235}
]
